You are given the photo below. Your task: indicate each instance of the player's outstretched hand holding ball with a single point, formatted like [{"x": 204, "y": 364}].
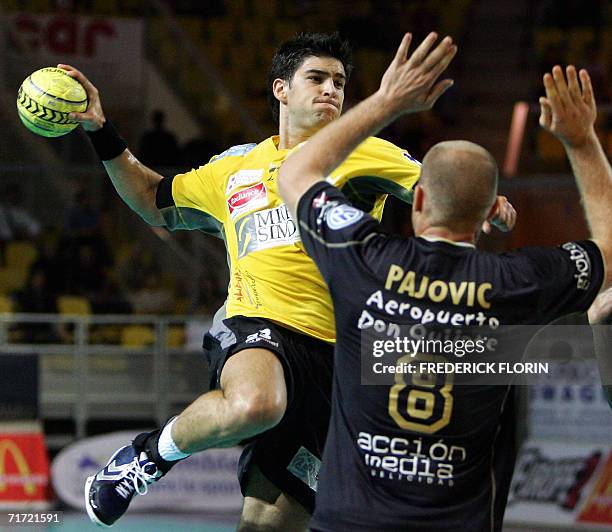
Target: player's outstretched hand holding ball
[
  {"x": 47, "y": 100},
  {"x": 92, "y": 118}
]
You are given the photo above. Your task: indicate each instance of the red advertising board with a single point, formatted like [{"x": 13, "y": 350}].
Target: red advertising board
[
  {"x": 24, "y": 469},
  {"x": 598, "y": 506}
]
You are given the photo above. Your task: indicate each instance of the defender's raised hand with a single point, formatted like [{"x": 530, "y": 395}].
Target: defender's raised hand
[
  {"x": 568, "y": 111},
  {"x": 93, "y": 117},
  {"x": 408, "y": 84}
]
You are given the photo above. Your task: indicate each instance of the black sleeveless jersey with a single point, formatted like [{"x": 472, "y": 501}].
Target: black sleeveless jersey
[{"x": 423, "y": 452}]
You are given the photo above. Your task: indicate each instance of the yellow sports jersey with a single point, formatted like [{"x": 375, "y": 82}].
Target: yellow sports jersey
[{"x": 236, "y": 195}]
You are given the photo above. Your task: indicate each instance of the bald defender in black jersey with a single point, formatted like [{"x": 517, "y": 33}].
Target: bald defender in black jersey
[{"x": 422, "y": 454}]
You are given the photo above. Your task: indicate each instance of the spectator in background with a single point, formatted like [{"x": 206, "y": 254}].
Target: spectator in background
[
  {"x": 86, "y": 273},
  {"x": 593, "y": 62},
  {"x": 202, "y": 147},
  {"x": 82, "y": 218},
  {"x": 16, "y": 222},
  {"x": 153, "y": 297},
  {"x": 158, "y": 146},
  {"x": 210, "y": 295},
  {"x": 38, "y": 296},
  {"x": 134, "y": 266},
  {"x": 110, "y": 298},
  {"x": 82, "y": 227},
  {"x": 49, "y": 261}
]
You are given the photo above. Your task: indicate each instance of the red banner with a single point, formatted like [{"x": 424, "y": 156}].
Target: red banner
[
  {"x": 24, "y": 469},
  {"x": 598, "y": 507}
]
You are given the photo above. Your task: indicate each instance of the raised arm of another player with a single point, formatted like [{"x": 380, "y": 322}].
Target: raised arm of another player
[
  {"x": 568, "y": 111},
  {"x": 409, "y": 85},
  {"x": 600, "y": 318},
  {"x": 134, "y": 182}
]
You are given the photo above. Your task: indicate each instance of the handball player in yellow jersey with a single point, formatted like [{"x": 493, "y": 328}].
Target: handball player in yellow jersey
[{"x": 271, "y": 357}]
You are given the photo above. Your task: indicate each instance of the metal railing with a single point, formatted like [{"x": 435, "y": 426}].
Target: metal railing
[{"x": 89, "y": 370}]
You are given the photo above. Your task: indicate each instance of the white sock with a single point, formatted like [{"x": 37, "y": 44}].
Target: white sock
[{"x": 167, "y": 448}]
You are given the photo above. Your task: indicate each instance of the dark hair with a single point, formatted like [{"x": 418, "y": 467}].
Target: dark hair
[{"x": 292, "y": 53}]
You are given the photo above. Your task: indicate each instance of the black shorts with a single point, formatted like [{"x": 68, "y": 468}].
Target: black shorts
[{"x": 289, "y": 454}]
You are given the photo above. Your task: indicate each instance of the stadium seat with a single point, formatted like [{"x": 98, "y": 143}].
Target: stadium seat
[
  {"x": 237, "y": 8},
  {"x": 375, "y": 62},
  {"x": 579, "y": 39},
  {"x": 6, "y": 304},
  {"x": 283, "y": 29},
  {"x": 74, "y": 305},
  {"x": 176, "y": 336},
  {"x": 258, "y": 33},
  {"x": 20, "y": 255},
  {"x": 215, "y": 53},
  {"x": 453, "y": 17},
  {"x": 106, "y": 7},
  {"x": 182, "y": 305},
  {"x": 266, "y": 10},
  {"x": 606, "y": 41},
  {"x": 192, "y": 82},
  {"x": 137, "y": 336},
  {"x": 220, "y": 30},
  {"x": 131, "y": 8},
  {"x": 38, "y": 6},
  {"x": 12, "y": 279},
  {"x": 193, "y": 27},
  {"x": 259, "y": 108},
  {"x": 549, "y": 149},
  {"x": 547, "y": 37},
  {"x": 11, "y": 5}
]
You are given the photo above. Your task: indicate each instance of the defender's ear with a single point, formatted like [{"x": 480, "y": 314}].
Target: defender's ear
[{"x": 418, "y": 198}]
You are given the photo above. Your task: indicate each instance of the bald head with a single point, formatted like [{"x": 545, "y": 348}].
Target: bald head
[{"x": 459, "y": 179}]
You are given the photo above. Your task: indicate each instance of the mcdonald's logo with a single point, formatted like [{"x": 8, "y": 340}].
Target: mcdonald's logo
[
  {"x": 9, "y": 447},
  {"x": 24, "y": 467}
]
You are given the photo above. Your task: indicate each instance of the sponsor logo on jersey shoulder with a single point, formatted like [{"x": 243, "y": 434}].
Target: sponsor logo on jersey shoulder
[
  {"x": 342, "y": 216},
  {"x": 410, "y": 158},
  {"x": 237, "y": 151},
  {"x": 582, "y": 263},
  {"x": 243, "y": 178},
  {"x": 248, "y": 199}
]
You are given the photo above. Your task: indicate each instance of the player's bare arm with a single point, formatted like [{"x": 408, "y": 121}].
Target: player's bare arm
[
  {"x": 600, "y": 317},
  {"x": 134, "y": 182},
  {"x": 600, "y": 312},
  {"x": 408, "y": 85},
  {"x": 568, "y": 111}
]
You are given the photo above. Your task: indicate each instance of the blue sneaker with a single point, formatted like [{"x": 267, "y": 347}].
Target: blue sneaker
[{"x": 128, "y": 473}]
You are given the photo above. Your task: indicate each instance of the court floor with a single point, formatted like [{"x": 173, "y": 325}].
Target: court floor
[
  {"x": 165, "y": 522},
  {"x": 139, "y": 522}
]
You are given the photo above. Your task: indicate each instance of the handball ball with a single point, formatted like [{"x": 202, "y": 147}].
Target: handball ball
[{"x": 46, "y": 97}]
